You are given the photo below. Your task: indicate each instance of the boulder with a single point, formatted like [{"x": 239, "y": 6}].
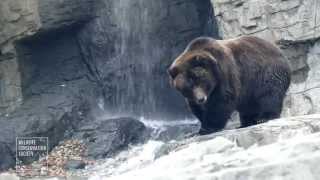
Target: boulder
[{"x": 106, "y": 137}]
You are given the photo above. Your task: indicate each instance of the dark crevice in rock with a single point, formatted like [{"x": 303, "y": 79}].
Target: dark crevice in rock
[{"x": 306, "y": 90}]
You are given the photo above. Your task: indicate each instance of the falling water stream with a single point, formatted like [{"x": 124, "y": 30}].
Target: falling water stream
[{"x": 137, "y": 53}]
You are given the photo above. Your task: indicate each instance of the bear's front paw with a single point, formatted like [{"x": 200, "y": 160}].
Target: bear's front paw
[{"x": 203, "y": 132}]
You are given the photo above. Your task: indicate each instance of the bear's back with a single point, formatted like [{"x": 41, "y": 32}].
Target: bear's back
[
  {"x": 251, "y": 48},
  {"x": 261, "y": 64}
]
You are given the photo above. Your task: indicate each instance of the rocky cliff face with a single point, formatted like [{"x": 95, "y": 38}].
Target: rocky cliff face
[
  {"x": 295, "y": 26},
  {"x": 111, "y": 53}
]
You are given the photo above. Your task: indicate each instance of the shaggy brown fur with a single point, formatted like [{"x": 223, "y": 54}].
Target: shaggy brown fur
[{"x": 217, "y": 77}]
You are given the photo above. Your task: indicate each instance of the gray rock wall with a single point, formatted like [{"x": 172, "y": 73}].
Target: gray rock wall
[
  {"x": 295, "y": 26},
  {"x": 294, "y": 20},
  {"x": 124, "y": 47}
]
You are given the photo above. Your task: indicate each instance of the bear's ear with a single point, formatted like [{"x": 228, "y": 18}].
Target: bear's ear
[{"x": 210, "y": 57}]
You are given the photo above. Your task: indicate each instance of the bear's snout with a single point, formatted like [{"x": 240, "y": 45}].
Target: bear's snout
[{"x": 199, "y": 95}]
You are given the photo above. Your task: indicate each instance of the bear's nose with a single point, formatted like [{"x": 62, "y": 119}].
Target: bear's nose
[{"x": 202, "y": 100}]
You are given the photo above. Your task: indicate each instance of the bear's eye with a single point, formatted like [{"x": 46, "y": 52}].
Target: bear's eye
[{"x": 199, "y": 72}]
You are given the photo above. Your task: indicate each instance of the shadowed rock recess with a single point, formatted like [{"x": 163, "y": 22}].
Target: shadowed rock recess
[{"x": 69, "y": 61}]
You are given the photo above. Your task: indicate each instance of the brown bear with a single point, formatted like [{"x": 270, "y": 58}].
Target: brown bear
[{"x": 217, "y": 77}]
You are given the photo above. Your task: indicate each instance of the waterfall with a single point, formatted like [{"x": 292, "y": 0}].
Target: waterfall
[
  {"x": 136, "y": 56},
  {"x": 129, "y": 46}
]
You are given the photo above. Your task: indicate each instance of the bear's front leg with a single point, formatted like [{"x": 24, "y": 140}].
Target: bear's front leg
[
  {"x": 214, "y": 121},
  {"x": 196, "y": 109}
]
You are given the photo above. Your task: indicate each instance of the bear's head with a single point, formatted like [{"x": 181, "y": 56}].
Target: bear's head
[
  {"x": 192, "y": 74},
  {"x": 206, "y": 66}
]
